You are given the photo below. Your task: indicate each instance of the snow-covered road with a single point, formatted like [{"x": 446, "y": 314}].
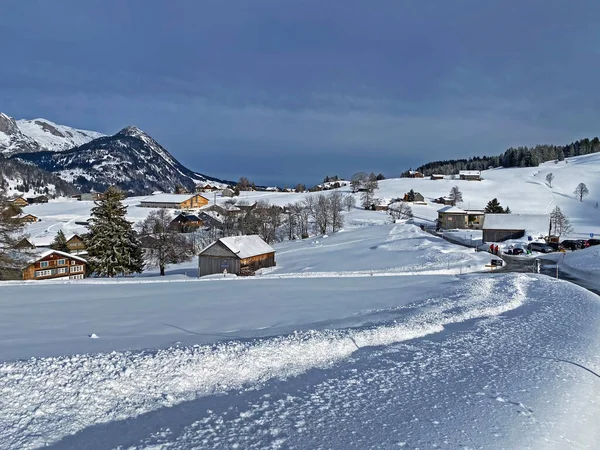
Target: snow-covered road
[{"x": 432, "y": 361}]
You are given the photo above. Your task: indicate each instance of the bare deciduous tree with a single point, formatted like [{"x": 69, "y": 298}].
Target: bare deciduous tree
[
  {"x": 357, "y": 180},
  {"x": 559, "y": 223},
  {"x": 400, "y": 210},
  {"x": 549, "y": 179},
  {"x": 455, "y": 195},
  {"x": 349, "y": 202},
  {"x": 163, "y": 246},
  {"x": 581, "y": 191}
]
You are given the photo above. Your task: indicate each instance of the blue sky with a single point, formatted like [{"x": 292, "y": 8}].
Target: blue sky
[{"x": 290, "y": 91}]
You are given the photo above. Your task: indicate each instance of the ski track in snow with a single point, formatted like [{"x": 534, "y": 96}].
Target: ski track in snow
[{"x": 46, "y": 399}]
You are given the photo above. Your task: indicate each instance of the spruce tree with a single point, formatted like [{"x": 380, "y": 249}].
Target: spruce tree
[
  {"x": 112, "y": 245},
  {"x": 12, "y": 257},
  {"x": 493, "y": 207},
  {"x": 60, "y": 242}
]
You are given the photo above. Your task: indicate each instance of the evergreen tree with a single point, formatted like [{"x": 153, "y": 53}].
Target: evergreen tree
[
  {"x": 411, "y": 195},
  {"x": 507, "y": 210},
  {"x": 11, "y": 257},
  {"x": 112, "y": 245},
  {"x": 493, "y": 207},
  {"x": 561, "y": 155},
  {"x": 60, "y": 242}
]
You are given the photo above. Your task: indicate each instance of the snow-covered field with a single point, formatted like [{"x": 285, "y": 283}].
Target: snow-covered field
[{"x": 378, "y": 336}]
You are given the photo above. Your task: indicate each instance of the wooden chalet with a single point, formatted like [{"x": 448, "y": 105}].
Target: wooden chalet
[
  {"x": 175, "y": 201},
  {"x": 19, "y": 201},
  {"x": 415, "y": 174},
  {"x": 239, "y": 255},
  {"x": 51, "y": 264},
  {"x": 27, "y": 218},
  {"x": 186, "y": 223},
  {"x": 38, "y": 199},
  {"x": 436, "y": 176},
  {"x": 75, "y": 243}
]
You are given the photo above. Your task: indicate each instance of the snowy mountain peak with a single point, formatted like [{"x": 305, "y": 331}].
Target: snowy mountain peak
[
  {"x": 132, "y": 131},
  {"x": 8, "y": 125},
  {"x": 28, "y": 136}
]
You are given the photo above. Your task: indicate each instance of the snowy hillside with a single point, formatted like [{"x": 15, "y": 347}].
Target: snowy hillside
[
  {"x": 53, "y": 137},
  {"x": 13, "y": 140},
  {"x": 130, "y": 159}
]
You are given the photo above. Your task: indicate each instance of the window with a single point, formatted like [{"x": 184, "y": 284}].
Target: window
[
  {"x": 43, "y": 264},
  {"x": 73, "y": 262},
  {"x": 76, "y": 277},
  {"x": 76, "y": 269},
  {"x": 43, "y": 273},
  {"x": 61, "y": 262},
  {"x": 62, "y": 270}
]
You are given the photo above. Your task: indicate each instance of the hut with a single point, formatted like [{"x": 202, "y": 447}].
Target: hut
[{"x": 239, "y": 255}]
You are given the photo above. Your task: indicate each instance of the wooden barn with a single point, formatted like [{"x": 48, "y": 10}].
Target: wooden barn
[
  {"x": 452, "y": 217},
  {"x": 501, "y": 227},
  {"x": 186, "y": 223},
  {"x": 469, "y": 175},
  {"x": 415, "y": 174},
  {"x": 239, "y": 255},
  {"x": 51, "y": 264},
  {"x": 175, "y": 201}
]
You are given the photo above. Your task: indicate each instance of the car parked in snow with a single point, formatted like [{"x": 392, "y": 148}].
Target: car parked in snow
[
  {"x": 573, "y": 244},
  {"x": 540, "y": 247}
]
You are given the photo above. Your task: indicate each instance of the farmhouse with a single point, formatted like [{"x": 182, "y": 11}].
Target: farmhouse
[
  {"x": 452, "y": 217},
  {"x": 240, "y": 255},
  {"x": 415, "y": 174},
  {"x": 185, "y": 223},
  {"x": 437, "y": 177},
  {"x": 174, "y": 201},
  {"x": 19, "y": 201},
  {"x": 470, "y": 175},
  {"x": 51, "y": 264},
  {"x": 500, "y": 227}
]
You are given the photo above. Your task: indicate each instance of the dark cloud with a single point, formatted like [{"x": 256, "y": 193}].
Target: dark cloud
[{"x": 290, "y": 91}]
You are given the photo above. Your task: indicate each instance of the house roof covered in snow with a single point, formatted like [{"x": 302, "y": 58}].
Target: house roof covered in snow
[
  {"x": 529, "y": 222},
  {"x": 42, "y": 253},
  {"x": 168, "y": 198},
  {"x": 469, "y": 172},
  {"x": 244, "y": 246},
  {"x": 451, "y": 210}
]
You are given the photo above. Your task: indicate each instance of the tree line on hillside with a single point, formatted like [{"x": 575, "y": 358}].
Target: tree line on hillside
[{"x": 512, "y": 157}]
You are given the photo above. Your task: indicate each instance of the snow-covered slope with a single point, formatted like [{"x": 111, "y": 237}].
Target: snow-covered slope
[
  {"x": 130, "y": 159},
  {"x": 53, "y": 137},
  {"x": 28, "y": 136}
]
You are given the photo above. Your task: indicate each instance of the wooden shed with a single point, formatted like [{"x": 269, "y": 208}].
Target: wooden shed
[
  {"x": 20, "y": 202},
  {"x": 240, "y": 255},
  {"x": 452, "y": 217}
]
